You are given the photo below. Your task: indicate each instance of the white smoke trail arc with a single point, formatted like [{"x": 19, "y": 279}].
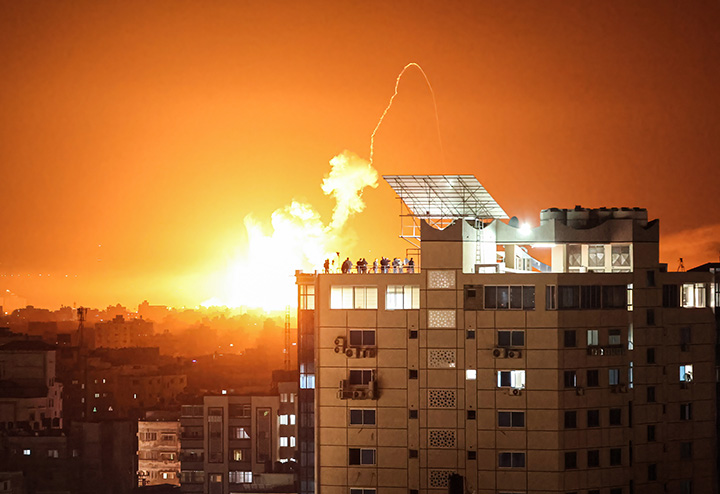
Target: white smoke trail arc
[{"x": 392, "y": 98}]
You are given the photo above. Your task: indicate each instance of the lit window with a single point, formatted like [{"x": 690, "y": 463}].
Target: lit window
[
  {"x": 240, "y": 433},
  {"x": 400, "y": 297},
  {"x": 353, "y": 297},
  {"x": 307, "y": 297},
  {"x": 614, "y": 377},
  {"x": 239, "y": 477},
  {"x": 470, "y": 374},
  {"x": 686, "y": 373},
  {"x": 292, "y": 419},
  {"x": 292, "y": 441},
  {"x": 307, "y": 381},
  {"x": 510, "y": 297},
  {"x": 238, "y": 454},
  {"x": 283, "y": 442},
  {"x": 693, "y": 295},
  {"x": 593, "y": 338},
  {"x": 283, "y": 420},
  {"x": 614, "y": 337},
  {"x": 596, "y": 256},
  {"x": 283, "y": 397},
  {"x": 511, "y": 379},
  {"x": 27, "y": 452}
]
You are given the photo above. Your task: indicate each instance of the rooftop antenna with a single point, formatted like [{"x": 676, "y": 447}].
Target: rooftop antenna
[
  {"x": 681, "y": 266},
  {"x": 82, "y": 355},
  {"x": 286, "y": 350}
]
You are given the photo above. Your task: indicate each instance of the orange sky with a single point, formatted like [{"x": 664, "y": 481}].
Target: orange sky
[{"x": 136, "y": 136}]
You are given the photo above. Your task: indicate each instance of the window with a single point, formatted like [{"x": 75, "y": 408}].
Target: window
[
  {"x": 239, "y": 455},
  {"x": 650, "y": 355},
  {"x": 412, "y": 374},
  {"x": 362, "y": 417},
  {"x": 593, "y": 337},
  {"x": 613, "y": 377},
  {"x": 614, "y": 337},
  {"x": 596, "y": 256},
  {"x": 470, "y": 334},
  {"x": 620, "y": 257},
  {"x": 473, "y": 297},
  {"x": 362, "y": 491},
  {"x": 471, "y": 415},
  {"x": 686, "y": 373},
  {"x": 616, "y": 416},
  {"x": 570, "y": 338},
  {"x": 650, "y": 276},
  {"x": 590, "y": 297},
  {"x": 53, "y": 453},
  {"x": 593, "y": 458},
  {"x": 650, "y": 394},
  {"x": 414, "y": 334},
  {"x": 511, "y": 338},
  {"x": 362, "y": 337},
  {"x": 361, "y": 376},
  {"x": 513, "y": 379},
  {"x": 651, "y": 433},
  {"x": 413, "y": 414},
  {"x": 27, "y": 452},
  {"x": 650, "y": 317},
  {"x": 292, "y": 419},
  {"x": 413, "y": 453},
  {"x": 574, "y": 256},
  {"x": 353, "y": 297},
  {"x": 652, "y": 471},
  {"x": 551, "y": 297},
  {"x": 472, "y": 455},
  {"x": 568, "y": 297},
  {"x": 239, "y": 433},
  {"x": 284, "y": 420},
  {"x": 510, "y": 297},
  {"x": 470, "y": 374},
  {"x": 511, "y": 419},
  {"x": 292, "y": 441},
  {"x": 307, "y": 297},
  {"x": 685, "y": 337},
  {"x": 284, "y": 442},
  {"x": 570, "y": 379},
  {"x": 239, "y": 477},
  {"x": 399, "y": 297},
  {"x": 593, "y": 378},
  {"x": 361, "y": 456},
  {"x": 686, "y": 487},
  {"x": 570, "y": 460},
  {"x": 671, "y": 296},
  {"x": 685, "y": 450},
  {"x": 685, "y": 411},
  {"x": 571, "y": 419},
  {"x": 615, "y": 456},
  {"x": 693, "y": 295},
  {"x": 617, "y": 490},
  {"x": 593, "y": 418},
  {"x": 511, "y": 460}
]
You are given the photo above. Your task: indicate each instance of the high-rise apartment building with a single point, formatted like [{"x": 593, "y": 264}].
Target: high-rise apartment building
[{"x": 557, "y": 359}]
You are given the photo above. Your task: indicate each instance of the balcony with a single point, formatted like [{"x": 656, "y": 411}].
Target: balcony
[
  {"x": 608, "y": 350},
  {"x": 349, "y": 391}
]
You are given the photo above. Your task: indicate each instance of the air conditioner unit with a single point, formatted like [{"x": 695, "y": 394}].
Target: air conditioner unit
[
  {"x": 515, "y": 392},
  {"x": 514, "y": 354},
  {"x": 369, "y": 352},
  {"x": 350, "y": 352},
  {"x": 579, "y": 391},
  {"x": 340, "y": 344},
  {"x": 499, "y": 353},
  {"x": 359, "y": 394}
]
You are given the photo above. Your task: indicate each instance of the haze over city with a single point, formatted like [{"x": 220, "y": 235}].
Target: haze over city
[{"x": 143, "y": 145}]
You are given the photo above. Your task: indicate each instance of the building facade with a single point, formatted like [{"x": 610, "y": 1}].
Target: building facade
[
  {"x": 559, "y": 359},
  {"x": 158, "y": 452}
]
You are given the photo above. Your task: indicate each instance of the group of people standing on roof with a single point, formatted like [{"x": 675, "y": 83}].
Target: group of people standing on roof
[{"x": 383, "y": 266}]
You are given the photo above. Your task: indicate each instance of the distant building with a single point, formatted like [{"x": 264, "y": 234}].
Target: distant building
[
  {"x": 154, "y": 313},
  {"x": 121, "y": 333},
  {"x": 30, "y": 396},
  {"x": 231, "y": 444},
  {"x": 557, "y": 359},
  {"x": 158, "y": 451}
]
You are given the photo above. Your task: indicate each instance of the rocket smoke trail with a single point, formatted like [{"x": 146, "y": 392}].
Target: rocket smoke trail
[{"x": 387, "y": 108}]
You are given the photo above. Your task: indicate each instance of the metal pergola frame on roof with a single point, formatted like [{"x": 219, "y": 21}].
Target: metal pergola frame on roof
[{"x": 442, "y": 199}]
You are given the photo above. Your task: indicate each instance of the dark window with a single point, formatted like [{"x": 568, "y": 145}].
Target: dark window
[
  {"x": 511, "y": 419},
  {"x": 510, "y": 297},
  {"x": 650, "y": 317},
  {"x": 614, "y": 296},
  {"x": 362, "y": 337},
  {"x": 516, "y": 297},
  {"x": 650, "y": 355},
  {"x": 651, "y": 394},
  {"x": 615, "y": 456},
  {"x": 413, "y": 334},
  {"x": 685, "y": 336},
  {"x": 472, "y": 455},
  {"x": 590, "y": 297},
  {"x": 511, "y": 338},
  {"x": 528, "y": 294},
  {"x": 570, "y": 338},
  {"x": 594, "y": 491},
  {"x": 360, "y": 376},
  {"x": 570, "y": 379},
  {"x": 571, "y": 419},
  {"x": 362, "y": 417},
  {"x": 413, "y": 453},
  {"x": 616, "y": 416},
  {"x": 471, "y": 414},
  {"x": 593, "y": 418},
  {"x": 570, "y": 460},
  {"x": 593, "y": 378},
  {"x": 685, "y": 411},
  {"x": 568, "y": 297},
  {"x": 491, "y": 297},
  {"x": 652, "y": 471},
  {"x": 413, "y": 414},
  {"x": 511, "y": 460},
  {"x": 550, "y": 297},
  {"x": 650, "y": 278},
  {"x": 470, "y": 335},
  {"x": 363, "y": 491},
  {"x": 686, "y": 450},
  {"x": 360, "y": 456},
  {"x": 593, "y": 458},
  {"x": 671, "y": 296},
  {"x": 651, "y": 433},
  {"x": 413, "y": 374}
]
